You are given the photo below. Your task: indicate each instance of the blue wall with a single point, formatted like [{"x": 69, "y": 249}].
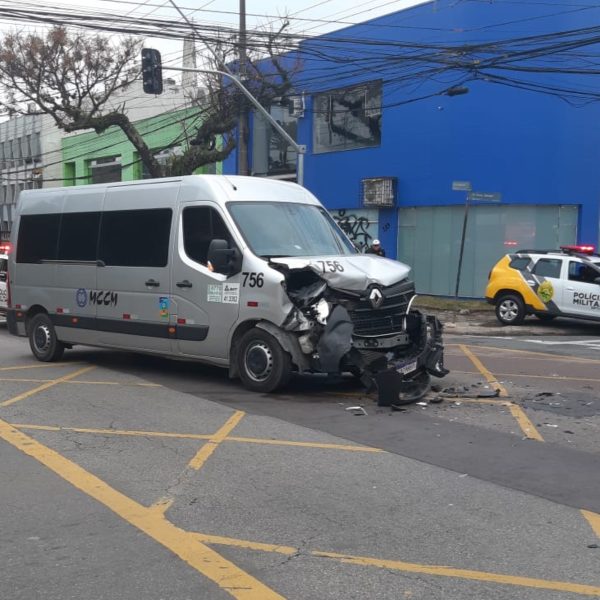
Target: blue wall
[{"x": 532, "y": 147}]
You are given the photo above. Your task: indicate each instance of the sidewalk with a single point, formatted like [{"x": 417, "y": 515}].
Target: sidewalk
[{"x": 484, "y": 323}]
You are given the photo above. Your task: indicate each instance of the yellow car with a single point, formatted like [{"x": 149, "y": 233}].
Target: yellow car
[{"x": 547, "y": 284}]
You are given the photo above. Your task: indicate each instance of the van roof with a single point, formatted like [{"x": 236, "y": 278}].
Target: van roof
[{"x": 218, "y": 188}]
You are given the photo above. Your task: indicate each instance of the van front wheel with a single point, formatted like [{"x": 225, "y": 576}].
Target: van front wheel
[
  {"x": 43, "y": 341},
  {"x": 264, "y": 366}
]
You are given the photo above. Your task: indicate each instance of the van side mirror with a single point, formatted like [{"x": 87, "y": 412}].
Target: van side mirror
[
  {"x": 225, "y": 260},
  {"x": 597, "y": 280}
]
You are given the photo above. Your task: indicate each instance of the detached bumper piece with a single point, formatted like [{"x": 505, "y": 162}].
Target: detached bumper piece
[{"x": 408, "y": 379}]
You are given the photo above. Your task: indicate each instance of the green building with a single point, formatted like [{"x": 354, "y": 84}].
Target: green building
[{"x": 100, "y": 158}]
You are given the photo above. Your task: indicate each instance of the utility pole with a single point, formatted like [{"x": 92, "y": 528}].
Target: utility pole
[{"x": 243, "y": 116}]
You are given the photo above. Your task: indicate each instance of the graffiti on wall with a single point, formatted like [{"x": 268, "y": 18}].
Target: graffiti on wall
[{"x": 357, "y": 225}]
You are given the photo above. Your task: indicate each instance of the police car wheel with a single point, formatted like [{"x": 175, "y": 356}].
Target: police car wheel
[
  {"x": 43, "y": 341},
  {"x": 510, "y": 310},
  {"x": 263, "y": 364}
]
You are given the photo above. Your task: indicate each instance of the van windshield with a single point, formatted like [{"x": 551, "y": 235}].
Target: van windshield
[{"x": 274, "y": 229}]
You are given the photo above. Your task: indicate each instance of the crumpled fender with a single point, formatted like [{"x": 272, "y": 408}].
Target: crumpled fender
[{"x": 288, "y": 342}]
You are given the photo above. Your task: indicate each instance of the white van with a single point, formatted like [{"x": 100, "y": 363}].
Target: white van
[
  {"x": 240, "y": 272},
  {"x": 3, "y": 285}
]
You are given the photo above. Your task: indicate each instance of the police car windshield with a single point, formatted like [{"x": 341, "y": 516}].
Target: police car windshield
[{"x": 279, "y": 229}]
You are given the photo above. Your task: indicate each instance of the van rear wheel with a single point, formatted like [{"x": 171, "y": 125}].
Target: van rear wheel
[
  {"x": 43, "y": 341},
  {"x": 264, "y": 366}
]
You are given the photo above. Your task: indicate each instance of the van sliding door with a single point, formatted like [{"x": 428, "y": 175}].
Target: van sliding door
[{"x": 132, "y": 296}]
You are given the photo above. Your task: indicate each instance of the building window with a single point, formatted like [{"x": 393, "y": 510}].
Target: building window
[
  {"x": 271, "y": 154},
  {"x": 36, "y": 150},
  {"x": 105, "y": 170},
  {"x": 28, "y": 153},
  {"x": 347, "y": 118},
  {"x": 429, "y": 241}
]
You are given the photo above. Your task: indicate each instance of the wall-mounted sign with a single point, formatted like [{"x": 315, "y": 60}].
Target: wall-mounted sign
[
  {"x": 379, "y": 192},
  {"x": 461, "y": 186},
  {"x": 485, "y": 197}
]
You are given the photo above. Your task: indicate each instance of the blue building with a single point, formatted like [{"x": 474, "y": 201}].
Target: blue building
[{"x": 397, "y": 111}]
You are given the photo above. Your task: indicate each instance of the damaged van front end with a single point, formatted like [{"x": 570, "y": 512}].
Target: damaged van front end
[{"x": 354, "y": 314}]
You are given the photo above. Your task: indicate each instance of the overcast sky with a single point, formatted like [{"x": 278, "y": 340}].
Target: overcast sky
[{"x": 310, "y": 17}]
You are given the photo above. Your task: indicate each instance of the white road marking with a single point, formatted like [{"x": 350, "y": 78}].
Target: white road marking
[{"x": 594, "y": 344}]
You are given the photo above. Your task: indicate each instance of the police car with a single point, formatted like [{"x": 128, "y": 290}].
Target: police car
[{"x": 547, "y": 284}]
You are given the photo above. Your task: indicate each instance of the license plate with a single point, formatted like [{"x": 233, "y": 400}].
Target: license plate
[{"x": 408, "y": 368}]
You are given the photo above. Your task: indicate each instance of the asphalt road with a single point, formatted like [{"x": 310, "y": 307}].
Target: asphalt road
[{"x": 125, "y": 477}]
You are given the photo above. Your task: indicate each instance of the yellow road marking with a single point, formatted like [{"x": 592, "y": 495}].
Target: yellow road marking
[
  {"x": 593, "y": 519},
  {"x": 225, "y": 541},
  {"x": 479, "y": 365},
  {"x": 82, "y": 382},
  {"x": 162, "y": 506},
  {"x": 38, "y": 366},
  {"x": 45, "y": 386},
  {"x": 442, "y": 571},
  {"x": 516, "y": 411},
  {"x": 205, "y": 452},
  {"x": 543, "y": 355},
  {"x": 246, "y": 440},
  {"x": 184, "y": 544},
  {"x": 528, "y": 428},
  {"x": 23, "y": 380},
  {"x": 138, "y": 433},
  {"x": 556, "y": 378},
  {"x": 200, "y": 436}
]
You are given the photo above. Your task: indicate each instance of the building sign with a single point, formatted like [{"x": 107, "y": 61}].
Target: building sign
[
  {"x": 485, "y": 197},
  {"x": 379, "y": 192}
]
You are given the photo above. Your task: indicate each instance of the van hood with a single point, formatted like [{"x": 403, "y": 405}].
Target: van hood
[{"x": 355, "y": 272}]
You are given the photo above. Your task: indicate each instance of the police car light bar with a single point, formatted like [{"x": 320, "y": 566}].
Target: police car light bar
[{"x": 583, "y": 249}]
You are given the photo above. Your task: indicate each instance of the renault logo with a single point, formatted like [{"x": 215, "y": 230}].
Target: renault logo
[{"x": 376, "y": 298}]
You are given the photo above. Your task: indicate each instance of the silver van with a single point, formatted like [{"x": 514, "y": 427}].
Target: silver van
[{"x": 240, "y": 272}]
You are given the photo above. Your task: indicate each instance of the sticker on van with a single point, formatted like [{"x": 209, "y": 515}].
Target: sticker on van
[
  {"x": 163, "y": 305},
  {"x": 214, "y": 293},
  {"x": 231, "y": 293}
]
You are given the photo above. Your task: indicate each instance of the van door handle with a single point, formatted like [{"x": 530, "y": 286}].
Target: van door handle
[
  {"x": 152, "y": 283},
  {"x": 571, "y": 289},
  {"x": 184, "y": 284}
]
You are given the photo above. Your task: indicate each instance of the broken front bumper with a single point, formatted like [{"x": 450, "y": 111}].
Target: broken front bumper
[{"x": 406, "y": 379}]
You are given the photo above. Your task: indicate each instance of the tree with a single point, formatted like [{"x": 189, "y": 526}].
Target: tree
[{"x": 75, "y": 78}]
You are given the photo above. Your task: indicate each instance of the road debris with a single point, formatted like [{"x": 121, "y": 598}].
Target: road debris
[
  {"x": 476, "y": 390},
  {"x": 357, "y": 410}
]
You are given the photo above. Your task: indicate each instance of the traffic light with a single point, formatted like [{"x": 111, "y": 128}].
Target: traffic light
[{"x": 152, "y": 71}]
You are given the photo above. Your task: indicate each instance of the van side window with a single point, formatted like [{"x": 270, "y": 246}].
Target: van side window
[
  {"x": 37, "y": 238},
  {"x": 135, "y": 238},
  {"x": 78, "y": 236},
  {"x": 201, "y": 224}
]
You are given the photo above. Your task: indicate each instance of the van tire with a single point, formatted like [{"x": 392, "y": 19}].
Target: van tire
[
  {"x": 43, "y": 342},
  {"x": 263, "y": 365},
  {"x": 510, "y": 309}
]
